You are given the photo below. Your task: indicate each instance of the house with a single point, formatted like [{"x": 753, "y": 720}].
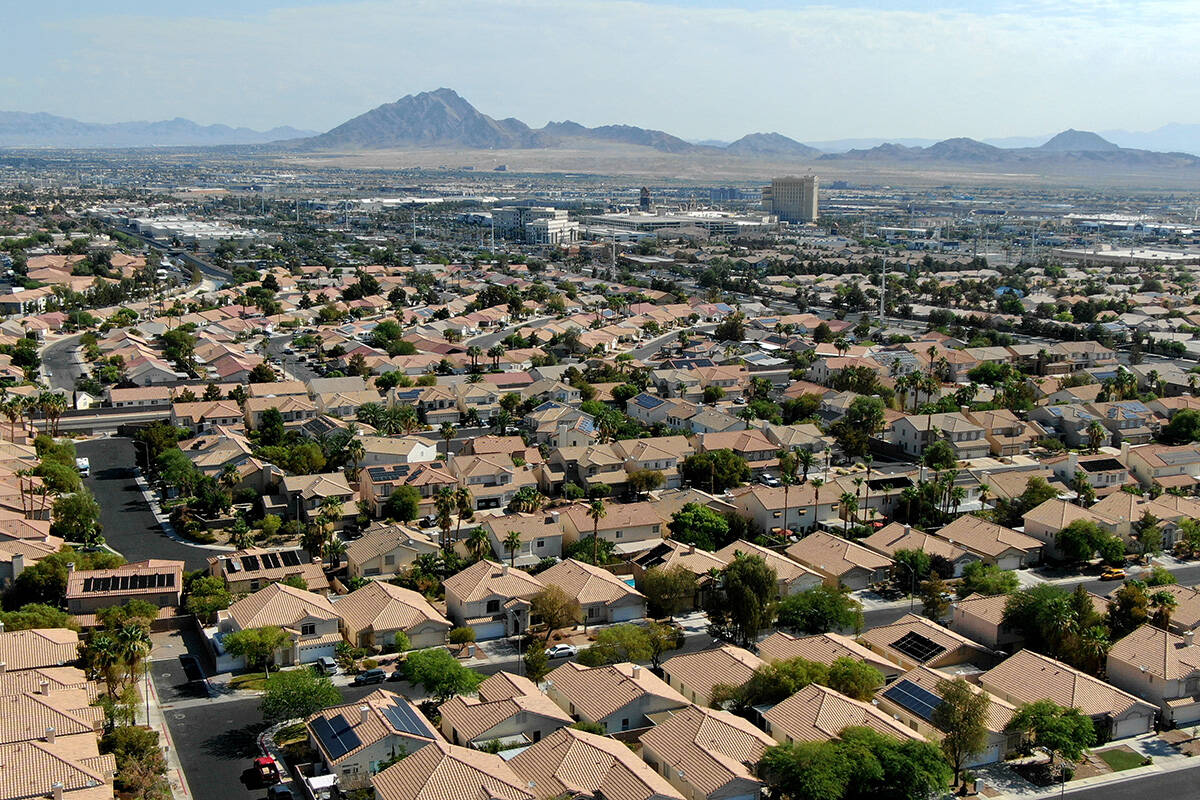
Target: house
[
  {"x": 819, "y": 714},
  {"x": 206, "y": 415},
  {"x": 793, "y": 576},
  {"x": 1006, "y": 434},
  {"x": 914, "y": 433},
  {"x": 247, "y": 571},
  {"x": 311, "y": 621},
  {"x": 140, "y": 397},
  {"x": 800, "y": 508},
  {"x": 1105, "y": 473},
  {"x": 155, "y": 581},
  {"x": 376, "y": 484},
  {"x": 660, "y": 454},
  {"x": 603, "y": 597},
  {"x": 981, "y": 619},
  {"x": 509, "y": 708},
  {"x": 39, "y": 769},
  {"x": 994, "y": 544},
  {"x": 694, "y": 675},
  {"x": 617, "y": 697},
  {"x": 492, "y": 479},
  {"x": 37, "y": 648},
  {"x": 630, "y": 527},
  {"x": 65, "y": 718},
  {"x": 353, "y": 739},
  {"x": 895, "y": 537},
  {"x": 913, "y": 697},
  {"x": 491, "y": 598},
  {"x": 1162, "y": 668},
  {"x": 307, "y": 495},
  {"x": 706, "y": 754},
  {"x": 913, "y": 641},
  {"x": 759, "y": 452},
  {"x": 383, "y": 551},
  {"x": 541, "y": 537},
  {"x": 839, "y": 561},
  {"x": 574, "y": 763},
  {"x": 440, "y": 771},
  {"x": 1126, "y": 421},
  {"x": 1044, "y": 521},
  {"x": 1168, "y": 467},
  {"x": 1027, "y": 677},
  {"x": 294, "y": 410},
  {"x": 824, "y": 648},
  {"x": 384, "y": 450},
  {"x": 373, "y": 614},
  {"x": 1072, "y": 423}
]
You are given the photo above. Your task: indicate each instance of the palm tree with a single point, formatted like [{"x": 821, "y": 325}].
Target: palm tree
[
  {"x": 448, "y": 432},
  {"x": 527, "y": 500},
  {"x": 474, "y": 352},
  {"x": 868, "y": 459},
  {"x": 849, "y": 507},
  {"x": 103, "y": 657},
  {"x": 229, "y": 479},
  {"x": 331, "y": 512},
  {"x": 464, "y": 506},
  {"x": 985, "y": 491},
  {"x": 1092, "y": 645},
  {"x": 1163, "y": 603},
  {"x": 409, "y": 421},
  {"x": 12, "y": 408},
  {"x": 597, "y": 512},
  {"x": 444, "y": 504},
  {"x": 335, "y": 548},
  {"x": 512, "y": 543},
  {"x": 494, "y": 353},
  {"x": 787, "y": 476},
  {"x": 909, "y": 495},
  {"x": 501, "y": 421},
  {"x": 1095, "y": 434},
  {"x": 312, "y": 540},
  {"x": 478, "y": 543},
  {"x": 957, "y": 495},
  {"x": 806, "y": 459},
  {"x": 355, "y": 453},
  {"x": 133, "y": 642}
]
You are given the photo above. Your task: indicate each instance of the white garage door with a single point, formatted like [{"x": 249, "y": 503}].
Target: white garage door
[
  {"x": 989, "y": 756},
  {"x": 626, "y": 613},
  {"x": 1130, "y": 726},
  {"x": 309, "y": 655},
  {"x": 1009, "y": 562},
  {"x": 488, "y": 630}
]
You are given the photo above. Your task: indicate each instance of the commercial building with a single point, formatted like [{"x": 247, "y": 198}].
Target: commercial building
[
  {"x": 535, "y": 224},
  {"x": 792, "y": 199}
]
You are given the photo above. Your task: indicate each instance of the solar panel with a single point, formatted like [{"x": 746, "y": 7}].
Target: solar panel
[
  {"x": 250, "y": 563},
  {"x": 336, "y": 736},
  {"x": 914, "y": 645},
  {"x": 911, "y": 697},
  {"x": 290, "y": 558},
  {"x": 404, "y": 718}
]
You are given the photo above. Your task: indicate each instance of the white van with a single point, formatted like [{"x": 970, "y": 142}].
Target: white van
[{"x": 84, "y": 467}]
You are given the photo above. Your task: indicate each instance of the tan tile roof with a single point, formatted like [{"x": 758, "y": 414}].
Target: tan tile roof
[
  {"x": 312, "y": 573},
  {"x": 895, "y": 536},
  {"x": 331, "y": 484},
  {"x": 30, "y": 770},
  {"x": 24, "y": 717},
  {"x": 711, "y": 748},
  {"x": 1028, "y": 676},
  {"x": 384, "y": 607},
  {"x": 441, "y": 771},
  {"x": 617, "y": 515},
  {"x": 487, "y": 578},
  {"x": 824, "y": 648},
  {"x": 38, "y": 647},
  {"x": 529, "y": 526},
  {"x": 375, "y": 725},
  {"x": 883, "y": 637},
  {"x": 499, "y": 701},
  {"x": 587, "y": 583},
  {"x": 125, "y": 577},
  {"x": 816, "y": 713},
  {"x": 785, "y": 568},
  {"x": 834, "y": 555},
  {"x": 986, "y": 538},
  {"x": 570, "y": 763},
  {"x": 282, "y": 605},
  {"x": 1161, "y": 653},
  {"x": 702, "y": 670},
  {"x": 1057, "y": 514},
  {"x": 598, "y": 692},
  {"x": 386, "y": 538},
  {"x": 56, "y": 678},
  {"x": 803, "y": 496},
  {"x": 1000, "y": 713}
]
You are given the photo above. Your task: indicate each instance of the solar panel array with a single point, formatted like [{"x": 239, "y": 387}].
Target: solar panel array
[
  {"x": 125, "y": 583},
  {"x": 914, "y": 645},
  {"x": 911, "y": 697},
  {"x": 290, "y": 558},
  {"x": 336, "y": 736},
  {"x": 404, "y": 717}
]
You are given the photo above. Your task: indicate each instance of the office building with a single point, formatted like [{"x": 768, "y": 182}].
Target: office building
[{"x": 792, "y": 199}]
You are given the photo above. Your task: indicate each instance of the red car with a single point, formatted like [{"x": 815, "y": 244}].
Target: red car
[{"x": 267, "y": 770}]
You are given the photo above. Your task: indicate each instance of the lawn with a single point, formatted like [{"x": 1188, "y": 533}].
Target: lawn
[
  {"x": 1121, "y": 758},
  {"x": 253, "y": 681}
]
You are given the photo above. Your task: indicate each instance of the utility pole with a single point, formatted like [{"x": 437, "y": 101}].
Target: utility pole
[{"x": 882, "y": 290}]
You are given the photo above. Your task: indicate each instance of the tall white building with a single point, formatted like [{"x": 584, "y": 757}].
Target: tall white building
[
  {"x": 535, "y": 224},
  {"x": 792, "y": 199}
]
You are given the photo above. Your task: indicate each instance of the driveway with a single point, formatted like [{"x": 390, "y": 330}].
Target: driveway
[{"x": 129, "y": 525}]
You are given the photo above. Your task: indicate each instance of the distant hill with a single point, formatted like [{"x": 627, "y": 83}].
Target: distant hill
[
  {"x": 1073, "y": 141},
  {"x": 770, "y": 144},
  {"x": 622, "y": 134},
  {"x": 1172, "y": 138},
  {"x": 20, "y": 129}
]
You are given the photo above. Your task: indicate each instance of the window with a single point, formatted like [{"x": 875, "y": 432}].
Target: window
[
  {"x": 308, "y": 629},
  {"x": 625, "y": 724},
  {"x": 593, "y": 612},
  {"x": 618, "y": 534},
  {"x": 493, "y": 606},
  {"x": 389, "y": 559}
]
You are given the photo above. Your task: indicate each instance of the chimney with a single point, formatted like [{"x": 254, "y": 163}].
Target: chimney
[
  {"x": 1072, "y": 463},
  {"x": 964, "y": 410},
  {"x": 1189, "y": 638},
  {"x": 1125, "y": 453},
  {"x": 691, "y": 549},
  {"x": 3, "y": 667},
  {"x": 907, "y": 530},
  {"x": 44, "y": 687},
  {"x": 1, "y": 626},
  {"x": 57, "y": 790},
  {"x": 637, "y": 672},
  {"x": 70, "y": 567},
  {"x": 50, "y": 734},
  {"x": 18, "y": 565},
  {"x": 364, "y": 713},
  {"x": 504, "y": 569}
]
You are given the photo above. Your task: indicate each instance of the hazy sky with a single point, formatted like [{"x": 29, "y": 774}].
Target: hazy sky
[{"x": 698, "y": 68}]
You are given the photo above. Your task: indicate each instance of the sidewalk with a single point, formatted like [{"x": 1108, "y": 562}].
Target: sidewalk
[
  {"x": 157, "y": 722},
  {"x": 165, "y": 521}
]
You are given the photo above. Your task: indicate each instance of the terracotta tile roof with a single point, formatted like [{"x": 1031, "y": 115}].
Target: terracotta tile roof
[
  {"x": 56, "y": 678},
  {"x": 487, "y": 578},
  {"x": 153, "y": 576},
  {"x": 30, "y": 770},
  {"x": 816, "y": 713},
  {"x": 598, "y": 692},
  {"x": 472, "y": 718},
  {"x": 824, "y": 648},
  {"x": 239, "y": 566},
  {"x": 987, "y": 538},
  {"x": 25, "y": 717},
  {"x": 587, "y": 583},
  {"x": 441, "y": 771},
  {"x": 883, "y": 638},
  {"x": 712, "y": 749},
  {"x": 702, "y": 670},
  {"x": 1028, "y": 676},
  {"x": 282, "y": 605},
  {"x": 1158, "y": 652},
  {"x": 785, "y": 568},
  {"x": 834, "y": 555},
  {"x": 384, "y": 607},
  {"x": 572, "y": 763},
  {"x": 38, "y": 647},
  {"x": 375, "y": 725},
  {"x": 1000, "y": 713}
]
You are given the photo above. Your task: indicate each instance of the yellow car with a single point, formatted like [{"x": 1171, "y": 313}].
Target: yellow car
[{"x": 1113, "y": 574}]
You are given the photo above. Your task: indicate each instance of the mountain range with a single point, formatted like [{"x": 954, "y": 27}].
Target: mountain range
[{"x": 20, "y": 129}]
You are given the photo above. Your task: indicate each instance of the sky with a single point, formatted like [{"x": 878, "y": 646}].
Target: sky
[{"x": 701, "y": 69}]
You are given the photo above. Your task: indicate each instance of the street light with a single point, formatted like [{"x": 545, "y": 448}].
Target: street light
[{"x": 912, "y": 598}]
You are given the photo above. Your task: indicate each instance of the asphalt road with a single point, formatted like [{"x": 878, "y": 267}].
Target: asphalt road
[
  {"x": 129, "y": 526},
  {"x": 60, "y": 365},
  {"x": 300, "y": 370},
  {"x": 1176, "y": 785}
]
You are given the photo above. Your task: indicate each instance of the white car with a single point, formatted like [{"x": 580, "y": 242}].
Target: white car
[{"x": 562, "y": 651}]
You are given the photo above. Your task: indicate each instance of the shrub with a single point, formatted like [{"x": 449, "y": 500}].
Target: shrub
[{"x": 462, "y": 635}]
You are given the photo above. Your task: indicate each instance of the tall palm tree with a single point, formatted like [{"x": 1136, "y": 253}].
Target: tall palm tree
[
  {"x": 806, "y": 459},
  {"x": 464, "y": 506},
  {"x": 849, "y": 507},
  {"x": 330, "y": 513},
  {"x": 335, "y": 548},
  {"x": 409, "y": 421},
  {"x": 512, "y": 543},
  {"x": 957, "y": 495},
  {"x": 501, "y": 421},
  {"x": 355, "y": 453},
  {"x": 1092, "y": 645},
  {"x": 985, "y": 492},
  {"x": 1163, "y": 604},
  {"x": 444, "y": 504},
  {"x": 1095, "y": 433},
  {"x": 478, "y": 543},
  {"x": 597, "y": 512},
  {"x": 494, "y": 353},
  {"x": 229, "y": 479},
  {"x": 869, "y": 460},
  {"x": 787, "y": 476},
  {"x": 448, "y": 432},
  {"x": 133, "y": 641},
  {"x": 474, "y": 352},
  {"x": 12, "y": 409}
]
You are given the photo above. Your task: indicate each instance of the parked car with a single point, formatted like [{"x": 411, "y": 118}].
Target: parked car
[
  {"x": 327, "y": 665},
  {"x": 1113, "y": 574},
  {"x": 395, "y": 676},
  {"x": 266, "y": 770},
  {"x": 562, "y": 651},
  {"x": 375, "y": 675},
  {"x": 280, "y": 792}
]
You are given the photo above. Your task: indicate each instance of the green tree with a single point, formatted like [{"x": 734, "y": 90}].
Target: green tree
[
  {"x": 404, "y": 503},
  {"x": 934, "y": 603},
  {"x": 989, "y": 579},
  {"x": 537, "y": 663},
  {"x": 36, "y": 615},
  {"x": 441, "y": 675},
  {"x": 862, "y": 420},
  {"x": 715, "y": 470},
  {"x": 939, "y": 455},
  {"x": 668, "y": 590},
  {"x": 745, "y": 600},
  {"x": 1128, "y": 610},
  {"x": 770, "y": 684},
  {"x": 617, "y": 644},
  {"x": 854, "y": 678},
  {"x": 642, "y": 481},
  {"x": 270, "y": 428},
  {"x": 962, "y": 717},
  {"x": 256, "y": 645},
  {"x": 662, "y": 638},
  {"x": 1079, "y": 541},
  {"x": 1064, "y": 733},
  {"x": 556, "y": 609},
  {"x": 699, "y": 525},
  {"x": 1183, "y": 428},
  {"x": 76, "y": 518},
  {"x": 821, "y": 609},
  {"x": 295, "y": 693}
]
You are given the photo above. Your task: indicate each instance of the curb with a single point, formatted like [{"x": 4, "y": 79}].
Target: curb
[{"x": 164, "y": 521}]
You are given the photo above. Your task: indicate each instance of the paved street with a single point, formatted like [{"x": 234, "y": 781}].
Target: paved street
[
  {"x": 60, "y": 363},
  {"x": 129, "y": 526},
  {"x": 1179, "y": 784}
]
